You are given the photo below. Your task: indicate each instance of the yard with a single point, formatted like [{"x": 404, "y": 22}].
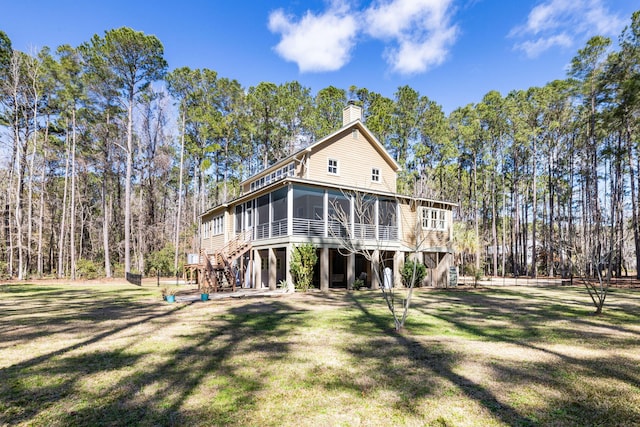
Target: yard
[{"x": 118, "y": 355}]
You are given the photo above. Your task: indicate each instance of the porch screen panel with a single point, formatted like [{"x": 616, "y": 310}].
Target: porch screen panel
[
  {"x": 387, "y": 219},
  {"x": 339, "y": 214},
  {"x": 279, "y": 212},
  {"x": 262, "y": 217},
  {"x": 308, "y": 211},
  {"x": 365, "y": 220}
]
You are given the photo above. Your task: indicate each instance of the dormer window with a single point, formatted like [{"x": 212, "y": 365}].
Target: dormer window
[
  {"x": 332, "y": 167},
  {"x": 375, "y": 175}
]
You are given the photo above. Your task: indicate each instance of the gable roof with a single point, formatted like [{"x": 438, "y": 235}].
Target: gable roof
[{"x": 354, "y": 124}]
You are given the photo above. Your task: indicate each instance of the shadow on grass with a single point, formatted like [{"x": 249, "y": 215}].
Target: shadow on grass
[
  {"x": 436, "y": 359},
  {"x": 124, "y": 385},
  {"x": 583, "y": 384}
]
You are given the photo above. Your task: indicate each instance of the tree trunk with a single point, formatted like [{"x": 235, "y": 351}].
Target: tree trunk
[
  {"x": 127, "y": 187},
  {"x": 176, "y": 239},
  {"x": 63, "y": 217},
  {"x": 634, "y": 200},
  {"x": 494, "y": 227},
  {"x": 534, "y": 215},
  {"x": 72, "y": 206}
]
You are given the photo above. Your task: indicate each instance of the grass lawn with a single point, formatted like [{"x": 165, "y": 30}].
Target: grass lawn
[{"x": 119, "y": 355}]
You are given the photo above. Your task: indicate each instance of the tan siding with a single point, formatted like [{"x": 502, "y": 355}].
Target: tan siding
[
  {"x": 434, "y": 238},
  {"x": 215, "y": 243},
  {"x": 408, "y": 221},
  {"x": 356, "y": 157}
]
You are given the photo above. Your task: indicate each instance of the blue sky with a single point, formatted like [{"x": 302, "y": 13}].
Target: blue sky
[{"x": 453, "y": 51}]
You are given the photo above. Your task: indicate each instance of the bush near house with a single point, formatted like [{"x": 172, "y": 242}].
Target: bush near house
[
  {"x": 413, "y": 270},
  {"x": 303, "y": 259}
]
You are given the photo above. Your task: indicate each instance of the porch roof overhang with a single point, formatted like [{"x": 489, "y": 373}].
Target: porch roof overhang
[{"x": 321, "y": 184}]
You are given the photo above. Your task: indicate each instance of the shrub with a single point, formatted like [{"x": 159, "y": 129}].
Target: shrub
[
  {"x": 88, "y": 269},
  {"x": 161, "y": 261},
  {"x": 303, "y": 259},
  {"x": 408, "y": 273},
  {"x": 357, "y": 284},
  {"x": 4, "y": 270}
]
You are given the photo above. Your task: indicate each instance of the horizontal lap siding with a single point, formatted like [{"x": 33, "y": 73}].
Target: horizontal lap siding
[
  {"x": 408, "y": 219},
  {"x": 356, "y": 157},
  {"x": 433, "y": 238},
  {"x": 215, "y": 243}
]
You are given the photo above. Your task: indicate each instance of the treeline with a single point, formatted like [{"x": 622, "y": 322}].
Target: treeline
[{"x": 108, "y": 158}]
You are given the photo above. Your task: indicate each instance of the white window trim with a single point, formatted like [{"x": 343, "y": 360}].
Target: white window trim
[
  {"x": 336, "y": 166},
  {"x": 376, "y": 175},
  {"x": 217, "y": 225},
  {"x": 433, "y": 219}
]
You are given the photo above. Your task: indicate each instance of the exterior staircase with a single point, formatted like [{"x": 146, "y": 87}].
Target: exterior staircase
[{"x": 218, "y": 270}]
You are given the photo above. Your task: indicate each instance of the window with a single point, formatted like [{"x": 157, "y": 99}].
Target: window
[
  {"x": 287, "y": 170},
  {"x": 205, "y": 229},
  {"x": 217, "y": 225},
  {"x": 332, "y": 167},
  {"x": 354, "y": 133},
  {"x": 433, "y": 219},
  {"x": 375, "y": 174},
  {"x": 239, "y": 219}
]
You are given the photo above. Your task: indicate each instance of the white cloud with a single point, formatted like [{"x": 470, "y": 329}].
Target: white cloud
[
  {"x": 563, "y": 23},
  {"x": 533, "y": 48},
  {"x": 316, "y": 42},
  {"x": 418, "y": 34}
]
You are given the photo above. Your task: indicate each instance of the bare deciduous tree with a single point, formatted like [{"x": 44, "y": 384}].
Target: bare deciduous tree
[{"x": 356, "y": 226}]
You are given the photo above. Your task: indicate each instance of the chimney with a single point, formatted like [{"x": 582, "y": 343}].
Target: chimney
[{"x": 351, "y": 113}]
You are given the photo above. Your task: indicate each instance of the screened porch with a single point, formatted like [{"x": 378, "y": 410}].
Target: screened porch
[{"x": 297, "y": 210}]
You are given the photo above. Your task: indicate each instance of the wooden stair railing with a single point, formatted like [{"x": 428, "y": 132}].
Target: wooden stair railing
[{"x": 219, "y": 269}]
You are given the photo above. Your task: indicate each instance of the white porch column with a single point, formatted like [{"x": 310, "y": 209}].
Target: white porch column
[
  {"x": 352, "y": 215},
  {"x": 270, "y": 216},
  {"x": 399, "y": 221},
  {"x": 325, "y": 215},
  {"x": 289, "y": 215},
  {"x": 376, "y": 219}
]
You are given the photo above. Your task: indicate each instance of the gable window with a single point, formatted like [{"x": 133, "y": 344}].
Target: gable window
[
  {"x": 375, "y": 174},
  {"x": 332, "y": 167},
  {"x": 286, "y": 170},
  {"x": 434, "y": 219}
]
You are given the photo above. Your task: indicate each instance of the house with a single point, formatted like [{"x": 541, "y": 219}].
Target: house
[{"x": 340, "y": 187}]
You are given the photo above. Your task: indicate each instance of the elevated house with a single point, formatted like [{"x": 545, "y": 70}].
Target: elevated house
[{"x": 341, "y": 187}]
